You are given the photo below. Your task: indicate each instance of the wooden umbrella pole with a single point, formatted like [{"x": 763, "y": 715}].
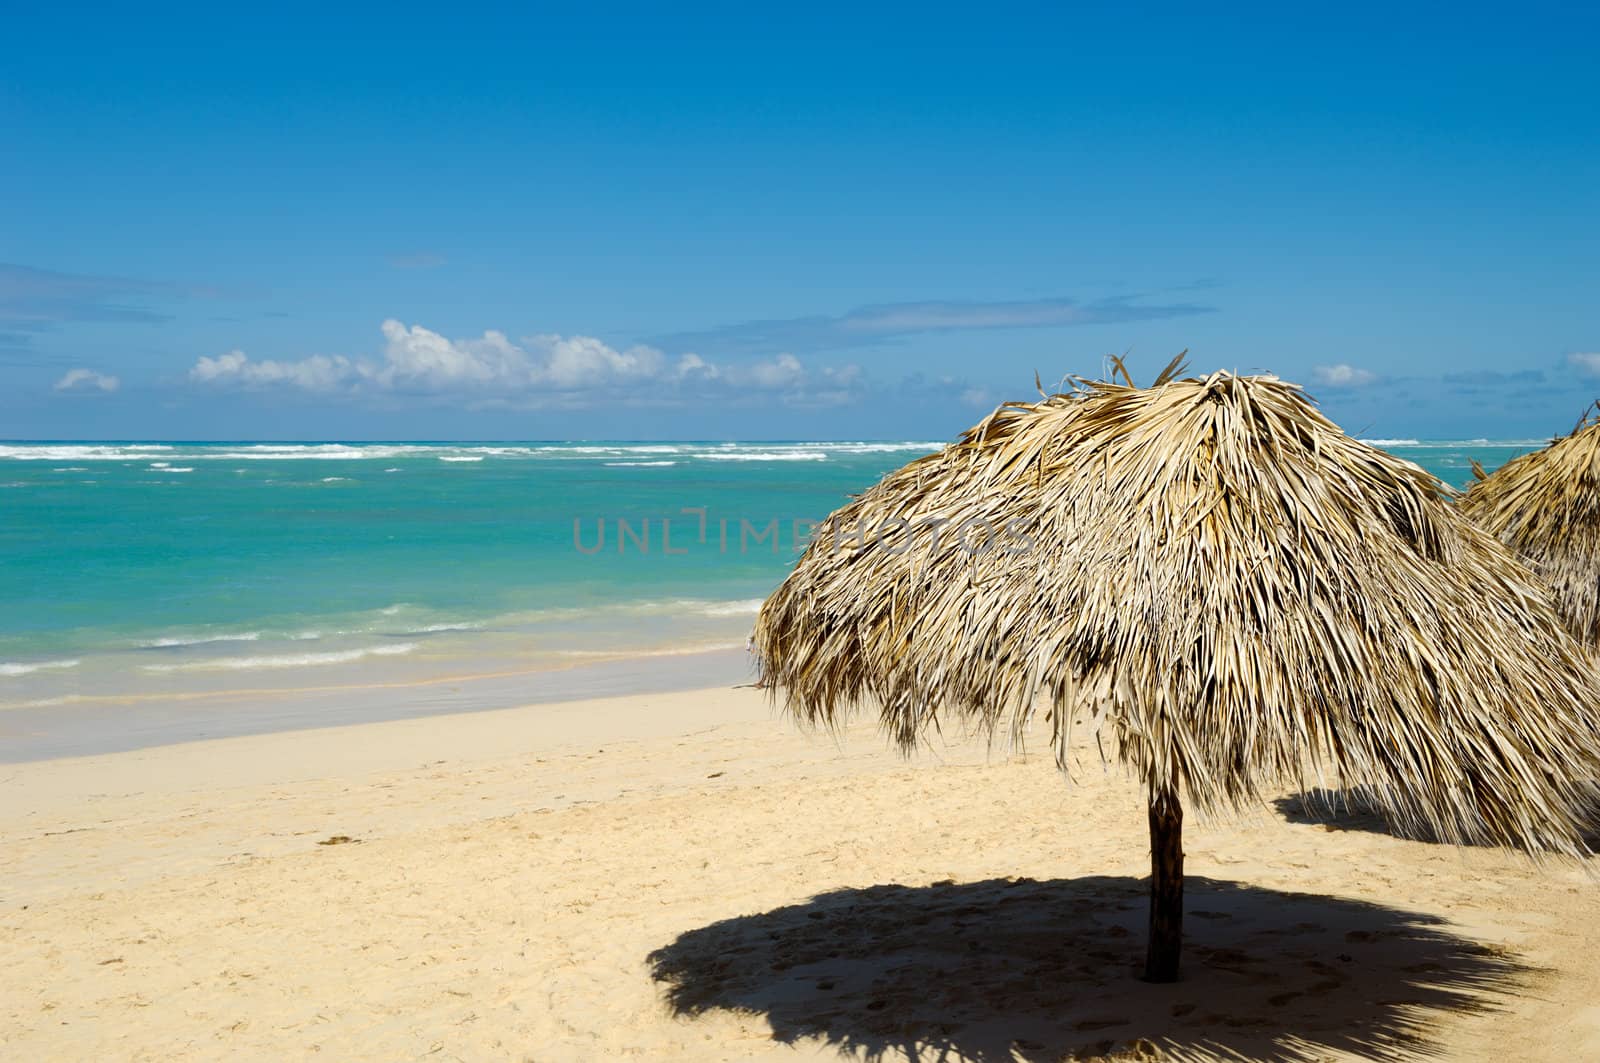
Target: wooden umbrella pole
[{"x": 1166, "y": 887}]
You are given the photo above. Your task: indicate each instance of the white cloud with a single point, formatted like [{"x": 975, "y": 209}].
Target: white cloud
[
  {"x": 580, "y": 362},
  {"x": 1587, "y": 362},
  {"x": 784, "y": 371},
  {"x": 788, "y": 379},
  {"x": 317, "y": 373},
  {"x": 416, "y": 358},
  {"x": 566, "y": 369},
  {"x": 87, "y": 380},
  {"x": 694, "y": 365},
  {"x": 1342, "y": 376}
]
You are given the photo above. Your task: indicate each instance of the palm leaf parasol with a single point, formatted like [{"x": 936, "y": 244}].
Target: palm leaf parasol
[
  {"x": 1227, "y": 589},
  {"x": 1546, "y": 507}
]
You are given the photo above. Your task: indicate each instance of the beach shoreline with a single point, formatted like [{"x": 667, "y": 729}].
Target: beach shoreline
[{"x": 112, "y": 724}]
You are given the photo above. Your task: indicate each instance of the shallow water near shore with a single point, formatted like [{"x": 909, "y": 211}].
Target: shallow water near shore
[{"x": 306, "y": 582}]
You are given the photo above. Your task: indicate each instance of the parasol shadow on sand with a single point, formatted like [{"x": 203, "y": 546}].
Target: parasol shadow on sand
[
  {"x": 1356, "y": 809},
  {"x": 1030, "y": 971},
  {"x": 1359, "y": 809}
]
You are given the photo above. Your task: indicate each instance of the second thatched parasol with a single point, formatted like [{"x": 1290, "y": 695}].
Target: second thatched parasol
[
  {"x": 1546, "y": 507},
  {"x": 1215, "y": 578}
]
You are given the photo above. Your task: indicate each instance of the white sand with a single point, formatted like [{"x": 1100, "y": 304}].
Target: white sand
[{"x": 513, "y": 873}]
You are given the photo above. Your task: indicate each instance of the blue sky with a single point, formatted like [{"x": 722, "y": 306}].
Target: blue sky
[{"x": 827, "y": 222}]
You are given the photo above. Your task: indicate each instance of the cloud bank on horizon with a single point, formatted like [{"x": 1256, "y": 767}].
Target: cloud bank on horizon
[
  {"x": 755, "y": 360},
  {"x": 541, "y": 369},
  {"x": 777, "y": 364}
]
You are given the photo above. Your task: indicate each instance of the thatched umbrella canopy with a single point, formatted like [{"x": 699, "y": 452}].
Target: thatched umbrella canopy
[
  {"x": 1546, "y": 507},
  {"x": 1217, "y": 579}
]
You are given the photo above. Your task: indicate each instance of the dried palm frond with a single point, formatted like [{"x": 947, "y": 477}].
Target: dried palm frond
[
  {"x": 1225, "y": 585},
  {"x": 1546, "y": 507}
]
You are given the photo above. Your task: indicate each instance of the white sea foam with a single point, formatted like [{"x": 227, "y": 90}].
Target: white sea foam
[
  {"x": 872, "y": 448},
  {"x": 748, "y": 607},
  {"x": 343, "y": 451},
  {"x": 291, "y": 660},
  {"x": 164, "y": 454},
  {"x": 314, "y": 451},
  {"x": 171, "y": 641},
  {"x": 16, "y": 668},
  {"x": 672, "y": 607},
  {"x": 286, "y": 452},
  {"x": 1459, "y": 444},
  {"x": 764, "y": 455},
  {"x": 40, "y": 703},
  {"x": 434, "y": 629},
  {"x": 78, "y": 452},
  {"x": 171, "y": 458},
  {"x": 336, "y": 479},
  {"x": 673, "y": 651}
]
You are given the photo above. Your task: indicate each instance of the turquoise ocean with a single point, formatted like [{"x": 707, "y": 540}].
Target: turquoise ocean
[{"x": 153, "y": 590}]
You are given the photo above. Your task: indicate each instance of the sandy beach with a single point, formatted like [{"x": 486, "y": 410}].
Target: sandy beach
[{"x": 687, "y": 876}]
